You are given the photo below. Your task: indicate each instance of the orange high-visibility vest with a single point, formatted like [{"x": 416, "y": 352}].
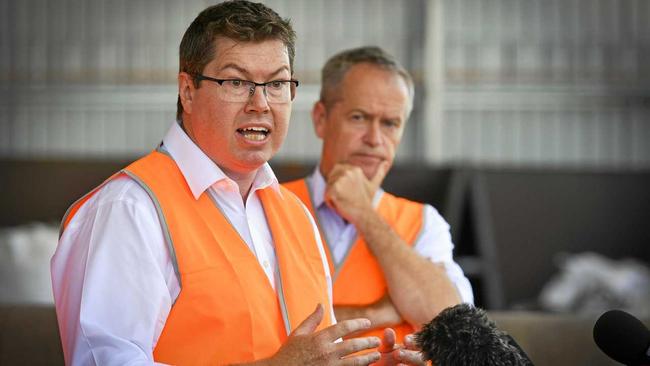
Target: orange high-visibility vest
[
  {"x": 227, "y": 311},
  {"x": 359, "y": 280}
]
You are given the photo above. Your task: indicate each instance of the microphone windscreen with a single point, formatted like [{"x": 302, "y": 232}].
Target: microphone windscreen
[
  {"x": 463, "y": 335},
  {"x": 622, "y": 337}
]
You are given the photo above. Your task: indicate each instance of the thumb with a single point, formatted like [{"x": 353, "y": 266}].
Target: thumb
[
  {"x": 387, "y": 341},
  {"x": 382, "y": 169},
  {"x": 310, "y": 323}
]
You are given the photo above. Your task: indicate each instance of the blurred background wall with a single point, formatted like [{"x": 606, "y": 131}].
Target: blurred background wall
[
  {"x": 499, "y": 82},
  {"x": 530, "y": 134}
]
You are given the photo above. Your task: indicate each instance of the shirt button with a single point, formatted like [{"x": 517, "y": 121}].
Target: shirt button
[{"x": 266, "y": 264}]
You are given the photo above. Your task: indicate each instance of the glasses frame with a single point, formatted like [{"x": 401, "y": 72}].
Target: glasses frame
[{"x": 293, "y": 84}]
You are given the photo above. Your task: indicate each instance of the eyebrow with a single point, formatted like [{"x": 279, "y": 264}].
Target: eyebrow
[
  {"x": 246, "y": 73},
  {"x": 368, "y": 114},
  {"x": 359, "y": 110}
]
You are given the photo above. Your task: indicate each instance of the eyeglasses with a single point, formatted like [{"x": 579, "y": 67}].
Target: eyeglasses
[{"x": 238, "y": 91}]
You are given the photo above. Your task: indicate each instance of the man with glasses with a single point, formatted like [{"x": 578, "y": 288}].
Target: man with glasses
[
  {"x": 194, "y": 254},
  {"x": 390, "y": 258}
]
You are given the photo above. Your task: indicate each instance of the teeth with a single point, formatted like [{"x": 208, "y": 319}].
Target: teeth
[
  {"x": 254, "y": 133},
  {"x": 254, "y": 136},
  {"x": 256, "y": 129}
]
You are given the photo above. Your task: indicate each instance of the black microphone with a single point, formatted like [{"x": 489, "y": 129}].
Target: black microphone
[
  {"x": 463, "y": 335},
  {"x": 623, "y": 338}
]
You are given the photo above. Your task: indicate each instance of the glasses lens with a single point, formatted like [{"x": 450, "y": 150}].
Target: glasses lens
[
  {"x": 241, "y": 91},
  {"x": 278, "y": 91},
  {"x": 236, "y": 90}
]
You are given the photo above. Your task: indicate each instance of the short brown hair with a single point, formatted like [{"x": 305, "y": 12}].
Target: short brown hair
[
  {"x": 238, "y": 20},
  {"x": 338, "y": 65}
]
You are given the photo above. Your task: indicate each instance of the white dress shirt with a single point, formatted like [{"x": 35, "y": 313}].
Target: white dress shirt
[
  {"x": 433, "y": 242},
  {"x": 112, "y": 275}
]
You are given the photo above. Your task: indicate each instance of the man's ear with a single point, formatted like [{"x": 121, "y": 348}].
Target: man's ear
[
  {"x": 186, "y": 91},
  {"x": 319, "y": 118}
]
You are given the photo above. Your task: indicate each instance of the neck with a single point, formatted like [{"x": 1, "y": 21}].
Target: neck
[
  {"x": 244, "y": 181},
  {"x": 322, "y": 171}
]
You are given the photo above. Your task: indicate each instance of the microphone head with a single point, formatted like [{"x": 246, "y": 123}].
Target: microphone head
[
  {"x": 463, "y": 335},
  {"x": 623, "y": 338}
]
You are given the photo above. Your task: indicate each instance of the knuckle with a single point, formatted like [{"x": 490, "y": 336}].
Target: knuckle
[
  {"x": 362, "y": 343},
  {"x": 413, "y": 357},
  {"x": 371, "y": 357},
  {"x": 354, "y": 361},
  {"x": 355, "y": 345},
  {"x": 371, "y": 342},
  {"x": 319, "y": 349},
  {"x": 342, "y": 326},
  {"x": 318, "y": 340},
  {"x": 348, "y": 326}
]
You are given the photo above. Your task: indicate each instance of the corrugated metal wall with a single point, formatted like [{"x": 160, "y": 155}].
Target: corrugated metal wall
[
  {"x": 86, "y": 78},
  {"x": 545, "y": 82},
  {"x": 523, "y": 82}
]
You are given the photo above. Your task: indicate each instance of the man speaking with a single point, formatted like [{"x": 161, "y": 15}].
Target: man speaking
[{"x": 193, "y": 254}]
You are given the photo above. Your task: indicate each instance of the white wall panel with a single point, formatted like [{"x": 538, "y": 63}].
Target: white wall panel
[
  {"x": 544, "y": 82},
  {"x": 535, "y": 82},
  {"x": 94, "y": 78}
]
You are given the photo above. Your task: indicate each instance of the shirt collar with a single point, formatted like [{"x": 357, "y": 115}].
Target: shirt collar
[
  {"x": 200, "y": 171},
  {"x": 317, "y": 185}
]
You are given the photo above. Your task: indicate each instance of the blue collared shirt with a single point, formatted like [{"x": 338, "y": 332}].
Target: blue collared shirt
[{"x": 434, "y": 241}]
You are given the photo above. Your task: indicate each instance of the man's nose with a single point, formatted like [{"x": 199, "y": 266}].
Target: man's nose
[
  {"x": 373, "y": 135},
  {"x": 257, "y": 101}
]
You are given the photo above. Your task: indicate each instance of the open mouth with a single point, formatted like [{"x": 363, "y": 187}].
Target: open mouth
[{"x": 254, "y": 133}]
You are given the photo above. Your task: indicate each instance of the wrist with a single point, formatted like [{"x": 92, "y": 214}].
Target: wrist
[
  {"x": 374, "y": 314},
  {"x": 367, "y": 221},
  {"x": 354, "y": 213},
  {"x": 383, "y": 314},
  {"x": 369, "y": 224}
]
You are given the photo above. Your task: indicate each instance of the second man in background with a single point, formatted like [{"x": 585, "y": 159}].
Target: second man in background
[{"x": 390, "y": 258}]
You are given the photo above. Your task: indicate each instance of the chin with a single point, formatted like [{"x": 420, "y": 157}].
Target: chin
[
  {"x": 254, "y": 160},
  {"x": 369, "y": 172}
]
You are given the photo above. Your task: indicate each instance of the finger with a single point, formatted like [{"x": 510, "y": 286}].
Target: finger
[
  {"x": 346, "y": 172},
  {"x": 388, "y": 341},
  {"x": 337, "y": 171},
  {"x": 310, "y": 323},
  {"x": 344, "y": 328},
  {"x": 331, "y": 189},
  {"x": 361, "y": 360},
  {"x": 382, "y": 169},
  {"x": 353, "y": 345},
  {"x": 408, "y": 357},
  {"x": 410, "y": 342},
  {"x": 329, "y": 200}
]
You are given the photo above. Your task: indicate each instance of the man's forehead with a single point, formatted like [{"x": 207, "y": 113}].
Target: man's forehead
[
  {"x": 391, "y": 99},
  {"x": 367, "y": 73},
  {"x": 248, "y": 56}
]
